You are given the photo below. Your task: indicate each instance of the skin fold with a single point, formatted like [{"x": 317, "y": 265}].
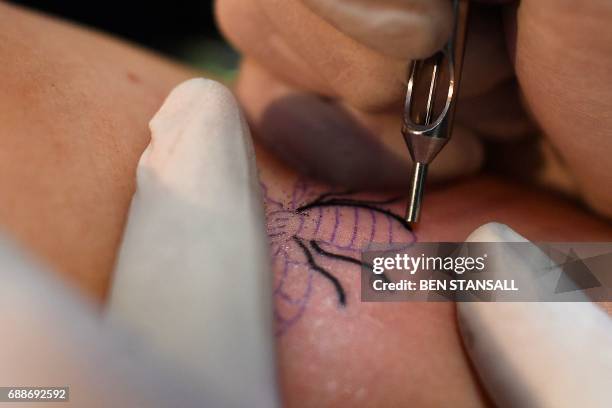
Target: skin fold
[{"x": 74, "y": 117}]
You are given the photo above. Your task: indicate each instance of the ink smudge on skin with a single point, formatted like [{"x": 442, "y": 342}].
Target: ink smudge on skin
[{"x": 315, "y": 234}]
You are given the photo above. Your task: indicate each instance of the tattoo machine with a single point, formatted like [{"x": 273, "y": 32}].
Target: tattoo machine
[{"x": 433, "y": 88}]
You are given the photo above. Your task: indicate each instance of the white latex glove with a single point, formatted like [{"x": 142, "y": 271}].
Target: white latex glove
[
  {"x": 190, "y": 288},
  {"x": 537, "y": 354},
  {"x": 193, "y": 276}
]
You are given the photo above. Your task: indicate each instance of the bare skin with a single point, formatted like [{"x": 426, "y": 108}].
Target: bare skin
[
  {"x": 74, "y": 116},
  {"x": 60, "y": 99}
]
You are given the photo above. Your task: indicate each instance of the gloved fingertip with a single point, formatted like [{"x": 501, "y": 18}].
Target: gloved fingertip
[
  {"x": 192, "y": 276},
  {"x": 538, "y": 353}
]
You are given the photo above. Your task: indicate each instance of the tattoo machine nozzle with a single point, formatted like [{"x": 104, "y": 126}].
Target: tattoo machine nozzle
[{"x": 433, "y": 88}]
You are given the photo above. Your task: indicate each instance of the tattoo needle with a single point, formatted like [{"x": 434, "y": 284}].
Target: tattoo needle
[{"x": 433, "y": 88}]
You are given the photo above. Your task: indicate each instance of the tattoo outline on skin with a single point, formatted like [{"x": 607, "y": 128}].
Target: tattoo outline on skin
[{"x": 303, "y": 230}]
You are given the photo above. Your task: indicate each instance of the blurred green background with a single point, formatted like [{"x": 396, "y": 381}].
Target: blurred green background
[{"x": 183, "y": 30}]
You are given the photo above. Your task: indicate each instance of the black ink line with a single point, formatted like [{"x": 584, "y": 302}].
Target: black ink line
[
  {"x": 337, "y": 202},
  {"x": 334, "y": 196},
  {"x": 331, "y": 194},
  {"x": 350, "y": 259},
  {"x": 315, "y": 245},
  {"x": 337, "y": 285}
]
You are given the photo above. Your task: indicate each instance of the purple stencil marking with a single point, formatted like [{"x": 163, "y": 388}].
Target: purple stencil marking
[
  {"x": 319, "y": 220},
  {"x": 390, "y": 230},
  {"x": 293, "y": 286},
  {"x": 373, "y": 232},
  {"x": 336, "y": 224}
]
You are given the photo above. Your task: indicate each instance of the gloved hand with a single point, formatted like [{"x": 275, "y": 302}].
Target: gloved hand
[
  {"x": 538, "y": 354},
  {"x": 323, "y": 84},
  {"x": 189, "y": 317}
]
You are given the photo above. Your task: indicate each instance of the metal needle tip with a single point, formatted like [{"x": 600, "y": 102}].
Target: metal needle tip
[{"x": 417, "y": 186}]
